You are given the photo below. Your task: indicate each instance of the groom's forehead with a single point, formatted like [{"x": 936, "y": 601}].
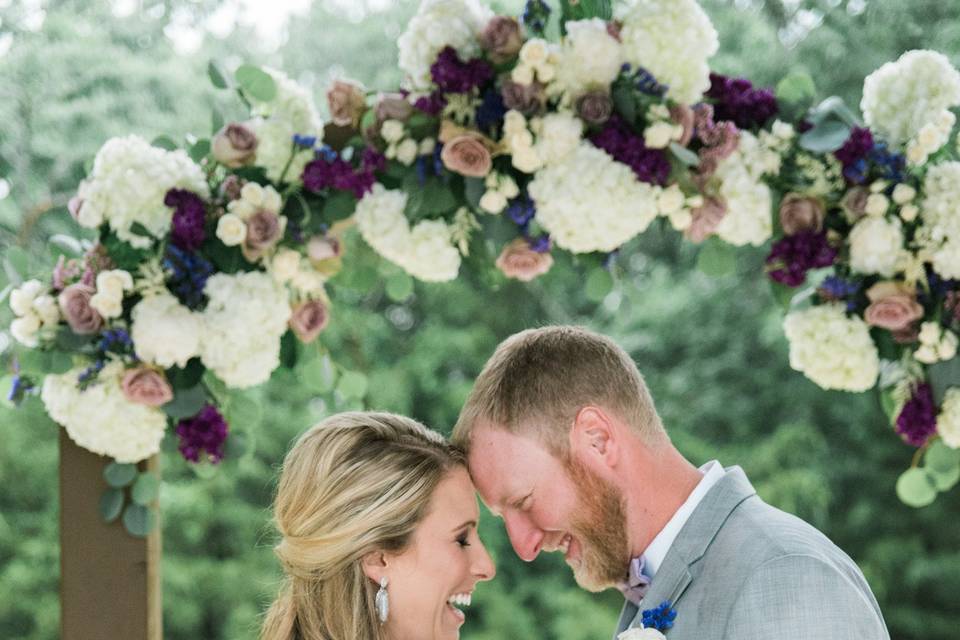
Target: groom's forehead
[{"x": 503, "y": 464}]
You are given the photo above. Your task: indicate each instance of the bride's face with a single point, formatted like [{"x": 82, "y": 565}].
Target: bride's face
[{"x": 445, "y": 559}]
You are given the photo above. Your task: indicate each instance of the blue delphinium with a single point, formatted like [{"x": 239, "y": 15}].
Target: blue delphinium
[
  {"x": 187, "y": 275},
  {"x": 660, "y": 618},
  {"x": 535, "y": 16}
]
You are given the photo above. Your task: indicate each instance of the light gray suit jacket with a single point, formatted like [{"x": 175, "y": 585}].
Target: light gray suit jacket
[{"x": 743, "y": 570}]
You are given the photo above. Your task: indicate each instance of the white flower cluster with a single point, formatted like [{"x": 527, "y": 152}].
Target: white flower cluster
[
  {"x": 557, "y": 136},
  {"x": 948, "y": 421},
  {"x": 749, "y": 202},
  {"x": 876, "y": 245},
  {"x": 936, "y": 344},
  {"x": 36, "y": 312},
  {"x": 590, "y": 202},
  {"x": 100, "y": 418},
  {"x": 677, "y": 207},
  {"x": 244, "y": 320},
  {"x": 439, "y": 24},
  {"x": 901, "y": 98},
  {"x": 930, "y": 138},
  {"x": 129, "y": 182},
  {"x": 292, "y": 268},
  {"x": 401, "y": 148},
  {"x": 501, "y": 187},
  {"x": 648, "y": 633},
  {"x": 291, "y": 112},
  {"x": 672, "y": 39},
  {"x": 108, "y": 300},
  {"x": 832, "y": 349},
  {"x": 590, "y": 57},
  {"x": 662, "y": 130},
  {"x": 539, "y": 60},
  {"x": 425, "y": 251},
  {"x": 940, "y": 233},
  {"x": 164, "y": 332}
]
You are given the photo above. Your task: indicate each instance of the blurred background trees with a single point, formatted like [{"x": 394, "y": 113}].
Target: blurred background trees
[{"x": 73, "y": 73}]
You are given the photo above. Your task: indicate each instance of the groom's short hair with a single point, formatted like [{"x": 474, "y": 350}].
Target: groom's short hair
[{"x": 537, "y": 380}]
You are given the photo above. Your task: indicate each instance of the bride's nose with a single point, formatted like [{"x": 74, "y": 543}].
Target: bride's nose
[{"x": 482, "y": 566}]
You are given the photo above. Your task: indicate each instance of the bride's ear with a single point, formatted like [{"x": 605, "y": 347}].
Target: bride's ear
[{"x": 374, "y": 565}]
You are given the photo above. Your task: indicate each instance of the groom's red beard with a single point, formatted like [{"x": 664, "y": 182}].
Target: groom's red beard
[{"x": 600, "y": 528}]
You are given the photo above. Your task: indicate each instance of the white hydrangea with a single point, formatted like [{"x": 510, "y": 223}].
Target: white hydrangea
[
  {"x": 672, "y": 39},
  {"x": 948, "y": 422},
  {"x": 244, "y": 320},
  {"x": 439, "y": 24},
  {"x": 164, "y": 332},
  {"x": 100, "y": 418},
  {"x": 901, "y": 97},
  {"x": 292, "y": 111},
  {"x": 558, "y": 135},
  {"x": 129, "y": 181},
  {"x": 425, "y": 252},
  {"x": 876, "y": 243},
  {"x": 648, "y": 633},
  {"x": 590, "y": 202},
  {"x": 939, "y": 235},
  {"x": 749, "y": 202},
  {"x": 831, "y": 348},
  {"x": 591, "y": 57}
]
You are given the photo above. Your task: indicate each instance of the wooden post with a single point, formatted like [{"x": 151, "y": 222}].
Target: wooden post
[{"x": 109, "y": 580}]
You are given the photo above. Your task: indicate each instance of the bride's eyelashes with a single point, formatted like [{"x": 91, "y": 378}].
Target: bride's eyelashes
[{"x": 462, "y": 540}]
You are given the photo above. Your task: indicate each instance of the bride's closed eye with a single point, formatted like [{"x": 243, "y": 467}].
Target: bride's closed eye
[{"x": 462, "y": 540}]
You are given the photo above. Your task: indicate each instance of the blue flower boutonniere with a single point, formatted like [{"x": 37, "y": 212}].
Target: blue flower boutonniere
[{"x": 655, "y": 622}]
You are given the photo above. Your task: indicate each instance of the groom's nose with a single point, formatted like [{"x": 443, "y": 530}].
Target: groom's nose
[{"x": 527, "y": 539}]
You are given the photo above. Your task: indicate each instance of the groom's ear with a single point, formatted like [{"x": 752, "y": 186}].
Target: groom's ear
[
  {"x": 594, "y": 437},
  {"x": 374, "y": 565}
]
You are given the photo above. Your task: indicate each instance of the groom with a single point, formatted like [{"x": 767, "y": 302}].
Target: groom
[{"x": 565, "y": 445}]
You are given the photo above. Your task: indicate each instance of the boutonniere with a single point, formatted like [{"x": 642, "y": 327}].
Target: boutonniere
[{"x": 654, "y": 621}]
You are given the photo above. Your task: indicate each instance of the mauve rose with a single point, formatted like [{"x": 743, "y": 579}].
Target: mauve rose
[
  {"x": 308, "y": 319},
  {"x": 235, "y": 145},
  {"x": 393, "y": 106},
  {"x": 231, "y": 187},
  {"x": 801, "y": 213},
  {"x": 144, "y": 385},
  {"x": 854, "y": 203},
  {"x": 502, "y": 39},
  {"x": 323, "y": 248},
  {"x": 468, "y": 156},
  {"x": 893, "y": 306},
  {"x": 528, "y": 99},
  {"x": 75, "y": 306},
  {"x": 263, "y": 231},
  {"x": 614, "y": 28},
  {"x": 706, "y": 219},
  {"x": 683, "y": 116},
  {"x": 518, "y": 260},
  {"x": 594, "y": 107},
  {"x": 347, "y": 103}
]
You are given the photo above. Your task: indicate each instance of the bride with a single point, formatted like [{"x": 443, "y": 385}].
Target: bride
[{"x": 378, "y": 524}]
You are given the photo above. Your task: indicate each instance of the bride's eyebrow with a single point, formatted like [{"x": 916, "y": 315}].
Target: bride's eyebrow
[{"x": 468, "y": 523}]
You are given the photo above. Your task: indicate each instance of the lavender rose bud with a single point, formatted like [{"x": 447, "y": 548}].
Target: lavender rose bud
[
  {"x": 75, "y": 306},
  {"x": 801, "y": 213},
  {"x": 502, "y": 39},
  {"x": 468, "y": 156},
  {"x": 706, "y": 219},
  {"x": 594, "y": 107},
  {"x": 893, "y": 306},
  {"x": 854, "y": 203},
  {"x": 393, "y": 106},
  {"x": 518, "y": 260},
  {"x": 146, "y": 386},
  {"x": 308, "y": 319},
  {"x": 347, "y": 103},
  {"x": 321, "y": 248},
  {"x": 235, "y": 145},
  {"x": 263, "y": 231},
  {"x": 528, "y": 99},
  {"x": 231, "y": 187}
]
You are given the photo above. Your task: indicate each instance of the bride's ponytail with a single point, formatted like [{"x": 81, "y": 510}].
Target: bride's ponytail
[{"x": 354, "y": 484}]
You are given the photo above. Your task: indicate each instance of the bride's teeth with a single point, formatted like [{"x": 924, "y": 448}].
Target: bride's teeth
[{"x": 461, "y": 599}]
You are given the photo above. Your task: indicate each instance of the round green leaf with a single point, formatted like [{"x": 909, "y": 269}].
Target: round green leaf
[
  {"x": 138, "y": 520},
  {"x": 825, "y": 137},
  {"x": 199, "y": 150},
  {"x": 237, "y": 444},
  {"x": 65, "y": 244},
  {"x": 145, "y": 489},
  {"x": 242, "y": 410},
  {"x": 111, "y": 504},
  {"x": 353, "y": 384},
  {"x": 319, "y": 374},
  {"x": 399, "y": 286},
  {"x": 941, "y": 458},
  {"x": 945, "y": 480},
  {"x": 204, "y": 470},
  {"x": 915, "y": 488},
  {"x": 797, "y": 88},
  {"x": 186, "y": 403},
  {"x": 165, "y": 142},
  {"x": 120, "y": 475},
  {"x": 216, "y": 76},
  {"x": 717, "y": 258},
  {"x": 256, "y": 82},
  {"x": 599, "y": 284}
]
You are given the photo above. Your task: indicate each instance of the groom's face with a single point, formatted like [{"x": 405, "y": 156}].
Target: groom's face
[{"x": 548, "y": 505}]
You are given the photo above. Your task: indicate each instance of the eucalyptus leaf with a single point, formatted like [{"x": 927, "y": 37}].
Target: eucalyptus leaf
[
  {"x": 199, "y": 150},
  {"x": 796, "y": 93},
  {"x": 941, "y": 458},
  {"x": 243, "y": 410},
  {"x": 111, "y": 504},
  {"x": 916, "y": 488},
  {"x": 942, "y": 376},
  {"x": 16, "y": 264},
  {"x": 339, "y": 206},
  {"x": 145, "y": 489},
  {"x": 186, "y": 403},
  {"x": 119, "y": 475},
  {"x": 474, "y": 188},
  {"x": 165, "y": 142},
  {"x": 599, "y": 284},
  {"x": 717, "y": 258},
  {"x": 216, "y": 76},
  {"x": 825, "y": 137},
  {"x": 684, "y": 155},
  {"x": 319, "y": 374},
  {"x": 216, "y": 120},
  {"x": 352, "y": 385},
  {"x": 256, "y": 82},
  {"x": 945, "y": 480},
  {"x": 399, "y": 286},
  {"x": 138, "y": 520},
  {"x": 237, "y": 445},
  {"x": 69, "y": 245}
]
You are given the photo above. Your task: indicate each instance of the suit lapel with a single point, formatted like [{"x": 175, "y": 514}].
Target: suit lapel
[{"x": 705, "y": 522}]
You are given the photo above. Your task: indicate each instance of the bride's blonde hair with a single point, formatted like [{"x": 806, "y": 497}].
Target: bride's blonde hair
[{"x": 355, "y": 483}]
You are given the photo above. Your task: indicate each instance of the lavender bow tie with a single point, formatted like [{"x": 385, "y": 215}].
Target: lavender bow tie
[{"x": 636, "y": 585}]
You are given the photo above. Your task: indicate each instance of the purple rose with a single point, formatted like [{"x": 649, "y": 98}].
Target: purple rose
[
  {"x": 263, "y": 231},
  {"x": 594, "y": 107},
  {"x": 502, "y": 39},
  {"x": 235, "y": 145},
  {"x": 75, "y": 306}
]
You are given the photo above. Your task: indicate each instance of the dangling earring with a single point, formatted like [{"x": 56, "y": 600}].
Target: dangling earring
[{"x": 382, "y": 601}]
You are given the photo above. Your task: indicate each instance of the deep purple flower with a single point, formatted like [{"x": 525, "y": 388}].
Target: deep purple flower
[
  {"x": 189, "y": 217},
  {"x": 203, "y": 434},
  {"x": 431, "y": 104},
  {"x": 853, "y": 154},
  {"x": 333, "y": 172},
  {"x": 737, "y": 100},
  {"x": 917, "y": 421},
  {"x": 540, "y": 244},
  {"x": 624, "y": 145},
  {"x": 491, "y": 111},
  {"x": 792, "y": 257},
  {"x": 452, "y": 75},
  {"x": 373, "y": 160}
]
